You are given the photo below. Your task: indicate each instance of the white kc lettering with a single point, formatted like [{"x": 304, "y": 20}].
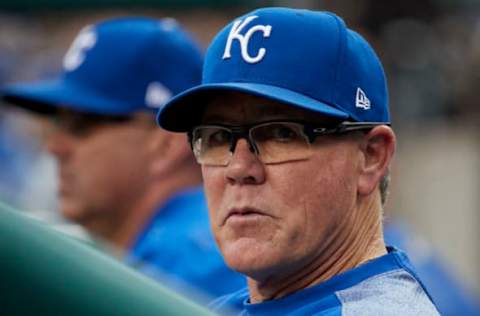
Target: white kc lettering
[
  {"x": 238, "y": 27},
  {"x": 75, "y": 55}
]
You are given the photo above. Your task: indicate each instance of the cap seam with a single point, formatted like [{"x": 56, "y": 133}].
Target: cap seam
[{"x": 340, "y": 55}]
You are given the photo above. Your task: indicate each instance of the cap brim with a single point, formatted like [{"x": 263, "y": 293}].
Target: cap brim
[
  {"x": 184, "y": 111},
  {"x": 45, "y": 97}
]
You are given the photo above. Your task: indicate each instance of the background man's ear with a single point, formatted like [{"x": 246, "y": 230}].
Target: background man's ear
[
  {"x": 169, "y": 151},
  {"x": 378, "y": 148}
]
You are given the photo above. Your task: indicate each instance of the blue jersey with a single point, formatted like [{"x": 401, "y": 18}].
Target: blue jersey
[
  {"x": 177, "y": 247},
  {"x": 384, "y": 286},
  {"x": 451, "y": 297}
]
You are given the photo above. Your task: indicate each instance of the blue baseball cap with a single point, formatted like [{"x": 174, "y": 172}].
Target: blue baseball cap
[
  {"x": 117, "y": 67},
  {"x": 306, "y": 59}
]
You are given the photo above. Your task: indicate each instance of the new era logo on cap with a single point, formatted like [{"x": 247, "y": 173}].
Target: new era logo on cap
[
  {"x": 361, "y": 100},
  {"x": 157, "y": 95}
]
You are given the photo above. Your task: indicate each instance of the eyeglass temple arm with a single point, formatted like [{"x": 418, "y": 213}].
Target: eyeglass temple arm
[{"x": 346, "y": 127}]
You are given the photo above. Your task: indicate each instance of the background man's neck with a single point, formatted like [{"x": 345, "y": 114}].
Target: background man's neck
[{"x": 122, "y": 231}]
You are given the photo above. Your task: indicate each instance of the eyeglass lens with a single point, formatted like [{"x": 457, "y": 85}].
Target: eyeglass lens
[{"x": 275, "y": 142}]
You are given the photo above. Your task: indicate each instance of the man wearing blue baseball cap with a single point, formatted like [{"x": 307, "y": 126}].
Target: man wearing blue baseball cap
[
  {"x": 120, "y": 177},
  {"x": 292, "y": 130}
]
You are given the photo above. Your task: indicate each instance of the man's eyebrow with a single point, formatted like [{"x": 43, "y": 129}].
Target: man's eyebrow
[
  {"x": 270, "y": 114},
  {"x": 279, "y": 109},
  {"x": 215, "y": 118},
  {"x": 261, "y": 109}
]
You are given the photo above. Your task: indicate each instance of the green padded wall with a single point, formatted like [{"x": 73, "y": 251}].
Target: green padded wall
[{"x": 44, "y": 272}]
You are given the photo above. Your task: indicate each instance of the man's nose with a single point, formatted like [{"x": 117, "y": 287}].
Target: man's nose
[
  {"x": 245, "y": 166},
  {"x": 60, "y": 144}
]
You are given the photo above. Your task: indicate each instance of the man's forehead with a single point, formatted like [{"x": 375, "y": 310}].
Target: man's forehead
[{"x": 240, "y": 107}]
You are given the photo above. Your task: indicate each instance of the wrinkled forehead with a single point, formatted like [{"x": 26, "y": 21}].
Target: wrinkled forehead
[{"x": 242, "y": 108}]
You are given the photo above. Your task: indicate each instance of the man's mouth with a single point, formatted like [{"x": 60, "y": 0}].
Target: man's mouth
[{"x": 244, "y": 214}]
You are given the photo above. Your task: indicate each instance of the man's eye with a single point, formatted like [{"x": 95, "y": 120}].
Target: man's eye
[
  {"x": 219, "y": 138},
  {"x": 283, "y": 133},
  {"x": 74, "y": 126}
]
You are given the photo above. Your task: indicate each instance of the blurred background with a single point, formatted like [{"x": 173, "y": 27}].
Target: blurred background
[{"x": 431, "y": 53}]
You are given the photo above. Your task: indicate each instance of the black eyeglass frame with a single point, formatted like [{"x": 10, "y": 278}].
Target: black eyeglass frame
[{"x": 310, "y": 129}]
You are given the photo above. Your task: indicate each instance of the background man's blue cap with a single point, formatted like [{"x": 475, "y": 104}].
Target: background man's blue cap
[
  {"x": 306, "y": 59},
  {"x": 117, "y": 67}
]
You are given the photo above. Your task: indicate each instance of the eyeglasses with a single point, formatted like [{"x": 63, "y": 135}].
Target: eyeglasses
[{"x": 272, "y": 141}]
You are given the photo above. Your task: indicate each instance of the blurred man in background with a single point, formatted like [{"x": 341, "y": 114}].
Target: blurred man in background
[
  {"x": 120, "y": 177},
  {"x": 294, "y": 141}
]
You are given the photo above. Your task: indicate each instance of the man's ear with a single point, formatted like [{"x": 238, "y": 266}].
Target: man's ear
[
  {"x": 378, "y": 148},
  {"x": 169, "y": 151}
]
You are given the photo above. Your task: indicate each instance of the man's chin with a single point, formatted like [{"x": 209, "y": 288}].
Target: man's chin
[
  {"x": 71, "y": 211},
  {"x": 247, "y": 256}
]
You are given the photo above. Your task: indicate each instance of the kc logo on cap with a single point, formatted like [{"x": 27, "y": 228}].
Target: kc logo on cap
[
  {"x": 75, "y": 55},
  {"x": 238, "y": 27}
]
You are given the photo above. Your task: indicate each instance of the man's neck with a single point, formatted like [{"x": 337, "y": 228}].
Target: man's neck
[
  {"x": 122, "y": 231},
  {"x": 135, "y": 220},
  {"x": 359, "y": 239}
]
